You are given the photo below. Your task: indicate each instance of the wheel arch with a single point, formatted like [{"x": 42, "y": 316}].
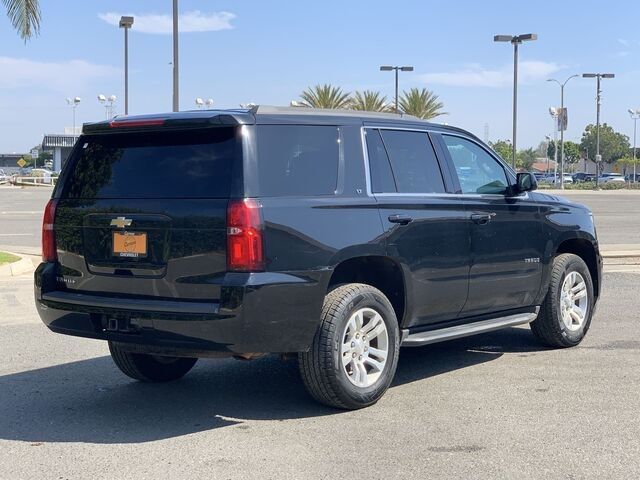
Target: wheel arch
[
  {"x": 378, "y": 271},
  {"x": 586, "y": 250}
]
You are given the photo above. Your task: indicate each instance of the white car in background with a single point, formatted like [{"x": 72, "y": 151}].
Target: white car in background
[
  {"x": 4, "y": 178},
  {"x": 611, "y": 178}
]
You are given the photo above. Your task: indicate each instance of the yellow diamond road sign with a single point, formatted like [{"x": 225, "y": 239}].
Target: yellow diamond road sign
[{"x": 21, "y": 163}]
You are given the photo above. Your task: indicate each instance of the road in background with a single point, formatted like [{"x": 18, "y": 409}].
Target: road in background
[
  {"x": 21, "y": 215},
  {"x": 617, "y": 214},
  {"x": 492, "y": 406}
]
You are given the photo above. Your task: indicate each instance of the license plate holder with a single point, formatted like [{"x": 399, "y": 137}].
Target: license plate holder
[{"x": 129, "y": 244}]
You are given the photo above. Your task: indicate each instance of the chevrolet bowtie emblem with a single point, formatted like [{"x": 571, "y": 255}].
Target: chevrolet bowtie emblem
[{"x": 121, "y": 222}]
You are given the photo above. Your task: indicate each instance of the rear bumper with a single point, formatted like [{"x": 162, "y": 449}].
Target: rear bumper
[{"x": 257, "y": 313}]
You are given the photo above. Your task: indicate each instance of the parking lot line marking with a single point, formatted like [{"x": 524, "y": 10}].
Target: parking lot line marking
[
  {"x": 25, "y": 212},
  {"x": 17, "y": 235}
]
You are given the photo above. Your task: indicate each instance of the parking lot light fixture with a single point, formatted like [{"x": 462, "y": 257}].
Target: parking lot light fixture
[
  {"x": 598, "y": 77},
  {"x": 126, "y": 22},
  {"x": 388, "y": 68},
  {"x": 562, "y": 124},
  {"x": 73, "y": 103},
  {"x": 635, "y": 114},
  {"x": 515, "y": 40}
]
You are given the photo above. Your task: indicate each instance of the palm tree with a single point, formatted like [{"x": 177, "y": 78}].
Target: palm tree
[
  {"x": 369, "y": 101},
  {"x": 24, "y": 16},
  {"x": 325, "y": 96},
  {"x": 421, "y": 103}
]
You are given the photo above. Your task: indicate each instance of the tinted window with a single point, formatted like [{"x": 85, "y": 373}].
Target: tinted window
[
  {"x": 185, "y": 164},
  {"x": 297, "y": 160},
  {"x": 478, "y": 172},
  {"x": 413, "y": 161},
  {"x": 381, "y": 175}
]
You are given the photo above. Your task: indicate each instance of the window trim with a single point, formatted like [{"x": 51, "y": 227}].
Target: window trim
[{"x": 427, "y": 132}]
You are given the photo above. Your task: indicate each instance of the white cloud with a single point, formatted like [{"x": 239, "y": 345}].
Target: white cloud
[
  {"x": 475, "y": 76},
  {"x": 623, "y": 42},
  {"x": 65, "y": 77},
  {"x": 621, "y": 54},
  {"x": 193, "y": 21}
]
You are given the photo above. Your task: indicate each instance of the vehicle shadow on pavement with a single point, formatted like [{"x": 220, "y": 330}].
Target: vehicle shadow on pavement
[{"x": 91, "y": 401}]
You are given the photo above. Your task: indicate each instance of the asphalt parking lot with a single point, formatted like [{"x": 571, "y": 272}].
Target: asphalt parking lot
[{"x": 491, "y": 406}]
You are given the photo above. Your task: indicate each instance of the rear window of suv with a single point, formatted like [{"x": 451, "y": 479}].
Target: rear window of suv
[
  {"x": 176, "y": 164},
  {"x": 297, "y": 160}
]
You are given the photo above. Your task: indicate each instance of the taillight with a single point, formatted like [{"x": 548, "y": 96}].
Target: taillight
[
  {"x": 49, "y": 252},
  {"x": 245, "y": 251}
]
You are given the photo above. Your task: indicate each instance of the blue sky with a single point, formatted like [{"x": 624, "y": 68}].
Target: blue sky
[{"x": 268, "y": 52}]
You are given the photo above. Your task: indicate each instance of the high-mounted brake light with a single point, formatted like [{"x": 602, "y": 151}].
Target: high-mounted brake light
[
  {"x": 245, "y": 252},
  {"x": 151, "y": 122},
  {"x": 49, "y": 251}
]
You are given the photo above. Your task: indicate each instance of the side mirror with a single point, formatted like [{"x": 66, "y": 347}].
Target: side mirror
[{"x": 526, "y": 182}]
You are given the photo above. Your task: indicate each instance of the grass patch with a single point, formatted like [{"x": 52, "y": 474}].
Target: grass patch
[{"x": 8, "y": 258}]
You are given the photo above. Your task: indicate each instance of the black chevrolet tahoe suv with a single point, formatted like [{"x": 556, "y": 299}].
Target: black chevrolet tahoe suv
[{"x": 333, "y": 235}]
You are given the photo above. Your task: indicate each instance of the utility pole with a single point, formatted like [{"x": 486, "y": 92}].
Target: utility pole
[{"x": 562, "y": 121}]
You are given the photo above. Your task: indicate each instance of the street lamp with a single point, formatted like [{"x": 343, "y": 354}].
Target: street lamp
[
  {"x": 126, "y": 23},
  {"x": 108, "y": 105},
  {"x": 635, "y": 115},
  {"x": 73, "y": 103},
  {"x": 598, "y": 77},
  {"x": 554, "y": 114},
  {"x": 176, "y": 97},
  {"x": 388, "y": 68},
  {"x": 515, "y": 40},
  {"x": 209, "y": 103},
  {"x": 562, "y": 121}
]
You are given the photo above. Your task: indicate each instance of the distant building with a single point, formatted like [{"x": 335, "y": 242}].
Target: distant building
[
  {"x": 60, "y": 145},
  {"x": 9, "y": 161}
]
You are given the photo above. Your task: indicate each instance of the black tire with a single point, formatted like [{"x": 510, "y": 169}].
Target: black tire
[
  {"x": 549, "y": 327},
  {"x": 150, "y": 368},
  {"x": 321, "y": 367}
]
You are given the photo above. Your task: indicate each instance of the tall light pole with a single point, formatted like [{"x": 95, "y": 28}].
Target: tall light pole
[
  {"x": 73, "y": 103},
  {"x": 554, "y": 114},
  {"x": 388, "y": 68},
  {"x": 635, "y": 115},
  {"x": 562, "y": 124},
  {"x": 176, "y": 70},
  {"x": 515, "y": 40},
  {"x": 598, "y": 77},
  {"x": 126, "y": 23}
]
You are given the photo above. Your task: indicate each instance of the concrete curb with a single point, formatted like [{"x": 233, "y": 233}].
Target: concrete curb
[{"x": 22, "y": 266}]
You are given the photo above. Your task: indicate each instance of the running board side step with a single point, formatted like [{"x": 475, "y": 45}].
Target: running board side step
[{"x": 459, "y": 331}]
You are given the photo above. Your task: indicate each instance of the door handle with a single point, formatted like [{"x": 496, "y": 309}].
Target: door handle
[
  {"x": 482, "y": 218},
  {"x": 400, "y": 218}
]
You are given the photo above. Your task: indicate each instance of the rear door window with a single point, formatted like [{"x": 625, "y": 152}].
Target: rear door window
[
  {"x": 297, "y": 160},
  {"x": 178, "y": 164},
  {"x": 413, "y": 161}
]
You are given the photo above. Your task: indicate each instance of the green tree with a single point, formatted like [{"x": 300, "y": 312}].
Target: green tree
[
  {"x": 325, "y": 96},
  {"x": 420, "y": 103},
  {"x": 526, "y": 158},
  {"x": 503, "y": 148},
  {"x": 369, "y": 101},
  {"x": 24, "y": 15},
  {"x": 627, "y": 163},
  {"x": 613, "y": 145},
  {"x": 572, "y": 151}
]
